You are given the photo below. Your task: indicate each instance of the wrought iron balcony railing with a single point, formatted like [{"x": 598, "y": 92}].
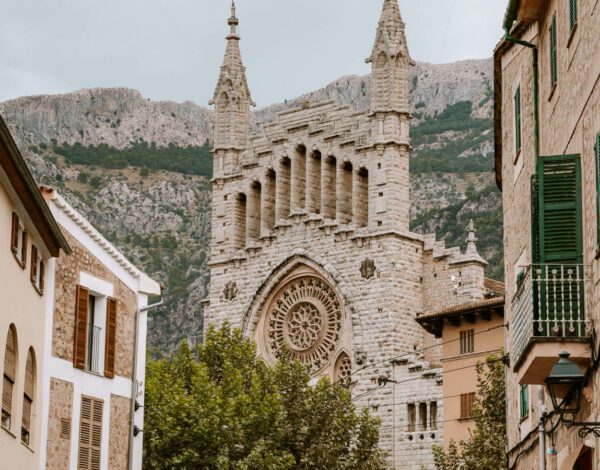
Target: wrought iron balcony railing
[{"x": 549, "y": 304}]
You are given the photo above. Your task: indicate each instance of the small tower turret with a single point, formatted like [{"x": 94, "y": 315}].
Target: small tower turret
[{"x": 232, "y": 102}]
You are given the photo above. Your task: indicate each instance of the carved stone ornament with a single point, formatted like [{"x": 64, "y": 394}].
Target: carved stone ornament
[
  {"x": 367, "y": 268},
  {"x": 305, "y": 317},
  {"x": 360, "y": 357},
  {"x": 230, "y": 291}
]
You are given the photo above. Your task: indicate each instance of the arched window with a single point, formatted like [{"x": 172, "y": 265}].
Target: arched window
[
  {"x": 361, "y": 199},
  {"x": 345, "y": 196},
  {"x": 253, "y": 216},
  {"x": 283, "y": 189},
  {"x": 313, "y": 183},
  {"x": 269, "y": 195},
  {"x": 299, "y": 178},
  {"x": 28, "y": 396},
  {"x": 329, "y": 188},
  {"x": 343, "y": 370},
  {"x": 239, "y": 223},
  {"x": 9, "y": 377}
]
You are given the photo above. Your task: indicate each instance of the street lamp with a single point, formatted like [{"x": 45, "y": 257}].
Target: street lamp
[{"x": 565, "y": 386}]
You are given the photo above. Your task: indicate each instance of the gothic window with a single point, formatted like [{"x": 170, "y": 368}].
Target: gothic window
[
  {"x": 380, "y": 74},
  {"x": 269, "y": 195},
  {"x": 411, "y": 412},
  {"x": 345, "y": 194},
  {"x": 253, "y": 212},
  {"x": 422, "y": 416},
  {"x": 361, "y": 200},
  {"x": 299, "y": 178},
  {"x": 313, "y": 183},
  {"x": 239, "y": 223},
  {"x": 283, "y": 189},
  {"x": 223, "y": 124},
  {"x": 433, "y": 415},
  {"x": 329, "y": 188},
  {"x": 343, "y": 370},
  {"x": 306, "y": 318}
]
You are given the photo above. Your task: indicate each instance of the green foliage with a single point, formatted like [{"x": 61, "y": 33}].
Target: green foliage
[
  {"x": 189, "y": 160},
  {"x": 226, "y": 409},
  {"x": 486, "y": 449},
  {"x": 456, "y": 117},
  {"x": 83, "y": 177}
]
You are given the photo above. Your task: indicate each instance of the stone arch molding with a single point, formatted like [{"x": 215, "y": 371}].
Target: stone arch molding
[{"x": 304, "y": 308}]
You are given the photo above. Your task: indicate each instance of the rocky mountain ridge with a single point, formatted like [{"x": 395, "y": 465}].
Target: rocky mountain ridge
[{"x": 161, "y": 219}]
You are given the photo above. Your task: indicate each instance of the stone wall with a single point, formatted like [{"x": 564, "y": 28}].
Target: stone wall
[
  {"x": 120, "y": 420},
  {"x": 60, "y": 419},
  {"x": 68, "y": 269}
]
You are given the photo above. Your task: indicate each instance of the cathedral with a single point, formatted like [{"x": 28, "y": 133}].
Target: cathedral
[{"x": 311, "y": 248}]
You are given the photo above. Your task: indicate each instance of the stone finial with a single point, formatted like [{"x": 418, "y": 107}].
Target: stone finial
[
  {"x": 230, "y": 291},
  {"x": 471, "y": 239},
  {"x": 367, "y": 268}
]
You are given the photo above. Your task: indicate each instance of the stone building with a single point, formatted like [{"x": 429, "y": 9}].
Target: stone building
[
  {"x": 311, "y": 246},
  {"x": 547, "y": 101},
  {"x": 96, "y": 352},
  {"x": 30, "y": 241}
]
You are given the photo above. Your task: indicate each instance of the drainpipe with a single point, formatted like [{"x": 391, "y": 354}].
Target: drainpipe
[
  {"x": 542, "y": 429},
  {"x": 132, "y": 434}
]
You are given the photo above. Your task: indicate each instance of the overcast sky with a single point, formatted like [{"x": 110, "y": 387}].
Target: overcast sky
[{"x": 172, "y": 49}]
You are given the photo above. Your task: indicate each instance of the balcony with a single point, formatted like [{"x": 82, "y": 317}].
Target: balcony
[{"x": 549, "y": 317}]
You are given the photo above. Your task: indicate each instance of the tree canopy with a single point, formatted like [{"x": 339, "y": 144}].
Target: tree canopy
[{"x": 224, "y": 408}]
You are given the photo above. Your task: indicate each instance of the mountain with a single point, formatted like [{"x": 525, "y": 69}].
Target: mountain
[{"x": 139, "y": 170}]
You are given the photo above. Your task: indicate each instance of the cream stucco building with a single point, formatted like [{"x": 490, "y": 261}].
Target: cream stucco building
[
  {"x": 30, "y": 240},
  {"x": 547, "y": 102},
  {"x": 311, "y": 247}
]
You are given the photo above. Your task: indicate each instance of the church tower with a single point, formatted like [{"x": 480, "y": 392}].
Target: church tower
[
  {"x": 232, "y": 103},
  {"x": 390, "y": 116}
]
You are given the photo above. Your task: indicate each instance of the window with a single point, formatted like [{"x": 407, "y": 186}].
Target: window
[
  {"x": 433, "y": 415},
  {"x": 90, "y": 434},
  {"x": 523, "y": 401},
  {"x": 572, "y": 14},
  {"x": 18, "y": 241},
  {"x": 94, "y": 348},
  {"x": 553, "y": 52},
  {"x": 422, "y": 416},
  {"x": 28, "y": 392},
  {"x": 466, "y": 405},
  {"x": 518, "y": 119},
  {"x": 9, "y": 377},
  {"x": 411, "y": 411},
  {"x": 467, "y": 341},
  {"x": 36, "y": 274},
  {"x": 597, "y": 149}
]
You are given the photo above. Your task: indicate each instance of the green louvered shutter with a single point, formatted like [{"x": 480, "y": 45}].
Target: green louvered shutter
[
  {"x": 553, "y": 53},
  {"x": 518, "y": 119},
  {"x": 560, "y": 247},
  {"x": 572, "y": 14},
  {"x": 597, "y": 149},
  {"x": 535, "y": 220}
]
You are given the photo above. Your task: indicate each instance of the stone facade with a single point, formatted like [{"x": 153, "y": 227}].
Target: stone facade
[
  {"x": 120, "y": 417},
  {"x": 311, "y": 243},
  {"x": 569, "y": 123},
  {"x": 68, "y": 273},
  {"x": 60, "y": 424}
]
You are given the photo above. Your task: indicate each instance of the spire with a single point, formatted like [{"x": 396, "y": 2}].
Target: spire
[
  {"x": 390, "y": 60},
  {"x": 471, "y": 254},
  {"x": 232, "y": 98}
]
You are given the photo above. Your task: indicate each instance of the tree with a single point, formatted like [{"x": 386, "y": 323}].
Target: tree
[
  {"x": 487, "y": 446},
  {"x": 224, "y": 408}
]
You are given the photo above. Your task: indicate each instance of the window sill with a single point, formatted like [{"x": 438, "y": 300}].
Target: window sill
[
  {"x": 38, "y": 290},
  {"x": 517, "y": 156},
  {"x": 27, "y": 447},
  {"x": 523, "y": 419},
  {"x": 19, "y": 261},
  {"x": 465, "y": 420},
  {"x": 9, "y": 432}
]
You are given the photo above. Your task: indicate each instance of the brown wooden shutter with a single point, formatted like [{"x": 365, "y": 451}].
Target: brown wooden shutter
[
  {"x": 81, "y": 320},
  {"x": 9, "y": 373},
  {"x": 41, "y": 283},
  {"x": 33, "y": 270},
  {"x": 14, "y": 236},
  {"x": 24, "y": 249},
  {"x": 90, "y": 434},
  {"x": 28, "y": 398},
  {"x": 111, "y": 337}
]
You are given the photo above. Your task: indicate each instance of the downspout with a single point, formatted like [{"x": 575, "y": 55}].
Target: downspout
[{"x": 132, "y": 434}]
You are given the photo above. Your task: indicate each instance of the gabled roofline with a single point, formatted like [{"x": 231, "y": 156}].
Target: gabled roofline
[{"x": 12, "y": 162}]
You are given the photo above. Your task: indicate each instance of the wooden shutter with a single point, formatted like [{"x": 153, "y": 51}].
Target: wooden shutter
[
  {"x": 90, "y": 434},
  {"x": 24, "y": 238},
  {"x": 111, "y": 337},
  {"x": 33, "y": 270},
  {"x": 28, "y": 398},
  {"x": 10, "y": 372},
  {"x": 41, "y": 281},
  {"x": 560, "y": 210},
  {"x": 81, "y": 320},
  {"x": 535, "y": 220},
  {"x": 14, "y": 235},
  {"x": 466, "y": 405}
]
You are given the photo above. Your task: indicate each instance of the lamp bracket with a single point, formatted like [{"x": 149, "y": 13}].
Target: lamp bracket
[{"x": 586, "y": 428}]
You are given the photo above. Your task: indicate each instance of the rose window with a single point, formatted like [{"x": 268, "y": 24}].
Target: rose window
[{"x": 305, "y": 318}]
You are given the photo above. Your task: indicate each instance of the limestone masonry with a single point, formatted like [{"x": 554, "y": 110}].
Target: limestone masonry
[{"x": 311, "y": 247}]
